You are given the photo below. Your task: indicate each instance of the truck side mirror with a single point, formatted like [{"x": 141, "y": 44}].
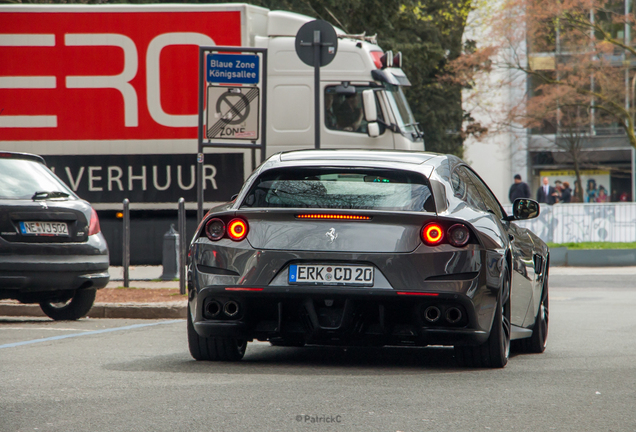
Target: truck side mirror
[
  {"x": 373, "y": 129},
  {"x": 370, "y": 108}
]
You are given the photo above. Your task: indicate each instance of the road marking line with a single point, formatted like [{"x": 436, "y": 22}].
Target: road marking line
[
  {"x": 42, "y": 328},
  {"x": 16, "y": 344}
]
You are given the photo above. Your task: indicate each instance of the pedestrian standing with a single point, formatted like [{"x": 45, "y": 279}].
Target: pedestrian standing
[
  {"x": 558, "y": 188},
  {"x": 566, "y": 193},
  {"x": 519, "y": 189},
  {"x": 546, "y": 194}
]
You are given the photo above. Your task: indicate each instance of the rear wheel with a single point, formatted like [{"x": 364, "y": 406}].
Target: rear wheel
[
  {"x": 495, "y": 351},
  {"x": 213, "y": 348},
  {"x": 72, "y": 308},
  {"x": 539, "y": 340}
]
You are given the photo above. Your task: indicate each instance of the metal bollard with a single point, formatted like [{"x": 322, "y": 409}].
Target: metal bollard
[
  {"x": 183, "y": 244},
  {"x": 126, "y": 244},
  {"x": 170, "y": 258}
]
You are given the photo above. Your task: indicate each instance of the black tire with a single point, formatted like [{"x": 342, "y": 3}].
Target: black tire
[
  {"x": 214, "y": 348},
  {"x": 70, "y": 309},
  {"x": 493, "y": 353},
  {"x": 538, "y": 342}
]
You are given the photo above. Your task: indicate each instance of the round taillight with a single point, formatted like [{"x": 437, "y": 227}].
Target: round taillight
[
  {"x": 458, "y": 235},
  {"x": 432, "y": 234},
  {"x": 215, "y": 229},
  {"x": 237, "y": 229}
]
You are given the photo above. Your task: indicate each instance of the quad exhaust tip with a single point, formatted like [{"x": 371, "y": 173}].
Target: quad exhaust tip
[
  {"x": 213, "y": 309},
  {"x": 231, "y": 308},
  {"x": 432, "y": 314},
  {"x": 453, "y": 315}
]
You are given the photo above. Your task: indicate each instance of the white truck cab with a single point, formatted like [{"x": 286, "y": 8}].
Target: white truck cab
[{"x": 359, "y": 67}]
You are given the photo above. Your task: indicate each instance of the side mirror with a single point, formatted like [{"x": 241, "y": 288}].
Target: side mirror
[
  {"x": 524, "y": 208},
  {"x": 370, "y": 108},
  {"x": 373, "y": 129}
]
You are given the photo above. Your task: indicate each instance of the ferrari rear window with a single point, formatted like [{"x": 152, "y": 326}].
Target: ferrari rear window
[{"x": 341, "y": 188}]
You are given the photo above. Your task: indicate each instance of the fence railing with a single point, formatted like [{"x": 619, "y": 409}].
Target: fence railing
[{"x": 576, "y": 223}]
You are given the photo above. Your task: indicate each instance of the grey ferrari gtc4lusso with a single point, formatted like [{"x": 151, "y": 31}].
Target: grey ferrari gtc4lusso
[{"x": 355, "y": 247}]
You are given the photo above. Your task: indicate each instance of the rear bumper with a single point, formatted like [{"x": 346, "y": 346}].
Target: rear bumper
[
  {"x": 46, "y": 281},
  {"x": 341, "y": 316},
  {"x": 28, "y": 264},
  {"x": 24, "y": 274}
]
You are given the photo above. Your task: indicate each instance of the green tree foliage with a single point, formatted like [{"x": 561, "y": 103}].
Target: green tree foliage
[{"x": 428, "y": 33}]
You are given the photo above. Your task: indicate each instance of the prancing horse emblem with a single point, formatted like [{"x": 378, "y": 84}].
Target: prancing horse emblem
[{"x": 332, "y": 235}]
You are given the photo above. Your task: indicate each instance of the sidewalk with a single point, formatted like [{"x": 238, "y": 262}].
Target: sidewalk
[{"x": 140, "y": 277}]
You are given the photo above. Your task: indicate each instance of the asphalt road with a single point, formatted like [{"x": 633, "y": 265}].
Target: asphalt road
[{"x": 123, "y": 375}]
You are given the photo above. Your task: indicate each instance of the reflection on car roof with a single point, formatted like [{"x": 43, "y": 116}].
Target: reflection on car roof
[{"x": 358, "y": 155}]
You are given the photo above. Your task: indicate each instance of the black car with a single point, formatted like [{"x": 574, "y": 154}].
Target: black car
[
  {"x": 355, "y": 247},
  {"x": 52, "y": 251}
]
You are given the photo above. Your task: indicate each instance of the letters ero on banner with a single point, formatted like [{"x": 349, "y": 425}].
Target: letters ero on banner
[{"x": 233, "y": 111}]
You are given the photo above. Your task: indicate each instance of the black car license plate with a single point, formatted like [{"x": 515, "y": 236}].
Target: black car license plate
[
  {"x": 44, "y": 228},
  {"x": 331, "y": 274}
]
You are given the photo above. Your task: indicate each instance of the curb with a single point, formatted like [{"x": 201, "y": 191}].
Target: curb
[
  {"x": 592, "y": 257},
  {"x": 107, "y": 310}
]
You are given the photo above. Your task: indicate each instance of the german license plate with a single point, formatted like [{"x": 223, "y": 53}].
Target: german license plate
[
  {"x": 44, "y": 228},
  {"x": 331, "y": 274}
]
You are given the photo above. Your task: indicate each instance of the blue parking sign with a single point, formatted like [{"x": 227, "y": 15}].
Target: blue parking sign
[{"x": 232, "y": 69}]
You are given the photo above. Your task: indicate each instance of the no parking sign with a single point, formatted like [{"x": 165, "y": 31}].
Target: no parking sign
[
  {"x": 232, "y": 87},
  {"x": 233, "y": 112}
]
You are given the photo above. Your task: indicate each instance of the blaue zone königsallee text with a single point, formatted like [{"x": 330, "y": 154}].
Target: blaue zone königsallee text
[{"x": 233, "y": 68}]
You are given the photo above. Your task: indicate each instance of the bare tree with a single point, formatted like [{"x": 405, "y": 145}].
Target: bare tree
[{"x": 571, "y": 49}]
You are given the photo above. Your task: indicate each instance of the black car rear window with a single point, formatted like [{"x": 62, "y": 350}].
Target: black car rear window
[
  {"x": 341, "y": 188},
  {"x": 21, "y": 179}
]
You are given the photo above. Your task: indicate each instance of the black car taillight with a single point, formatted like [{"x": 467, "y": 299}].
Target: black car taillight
[{"x": 93, "y": 225}]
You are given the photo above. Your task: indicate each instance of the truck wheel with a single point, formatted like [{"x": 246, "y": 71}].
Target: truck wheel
[
  {"x": 213, "y": 348},
  {"x": 70, "y": 309}
]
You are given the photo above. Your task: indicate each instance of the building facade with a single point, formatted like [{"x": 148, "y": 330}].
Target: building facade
[{"x": 602, "y": 150}]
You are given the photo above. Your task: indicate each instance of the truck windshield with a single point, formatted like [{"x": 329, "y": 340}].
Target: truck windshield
[{"x": 401, "y": 109}]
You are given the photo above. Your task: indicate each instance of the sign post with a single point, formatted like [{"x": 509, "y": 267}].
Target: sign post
[
  {"x": 317, "y": 45},
  {"x": 233, "y": 82}
]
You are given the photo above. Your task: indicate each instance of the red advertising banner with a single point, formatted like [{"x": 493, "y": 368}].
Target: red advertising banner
[{"x": 105, "y": 75}]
